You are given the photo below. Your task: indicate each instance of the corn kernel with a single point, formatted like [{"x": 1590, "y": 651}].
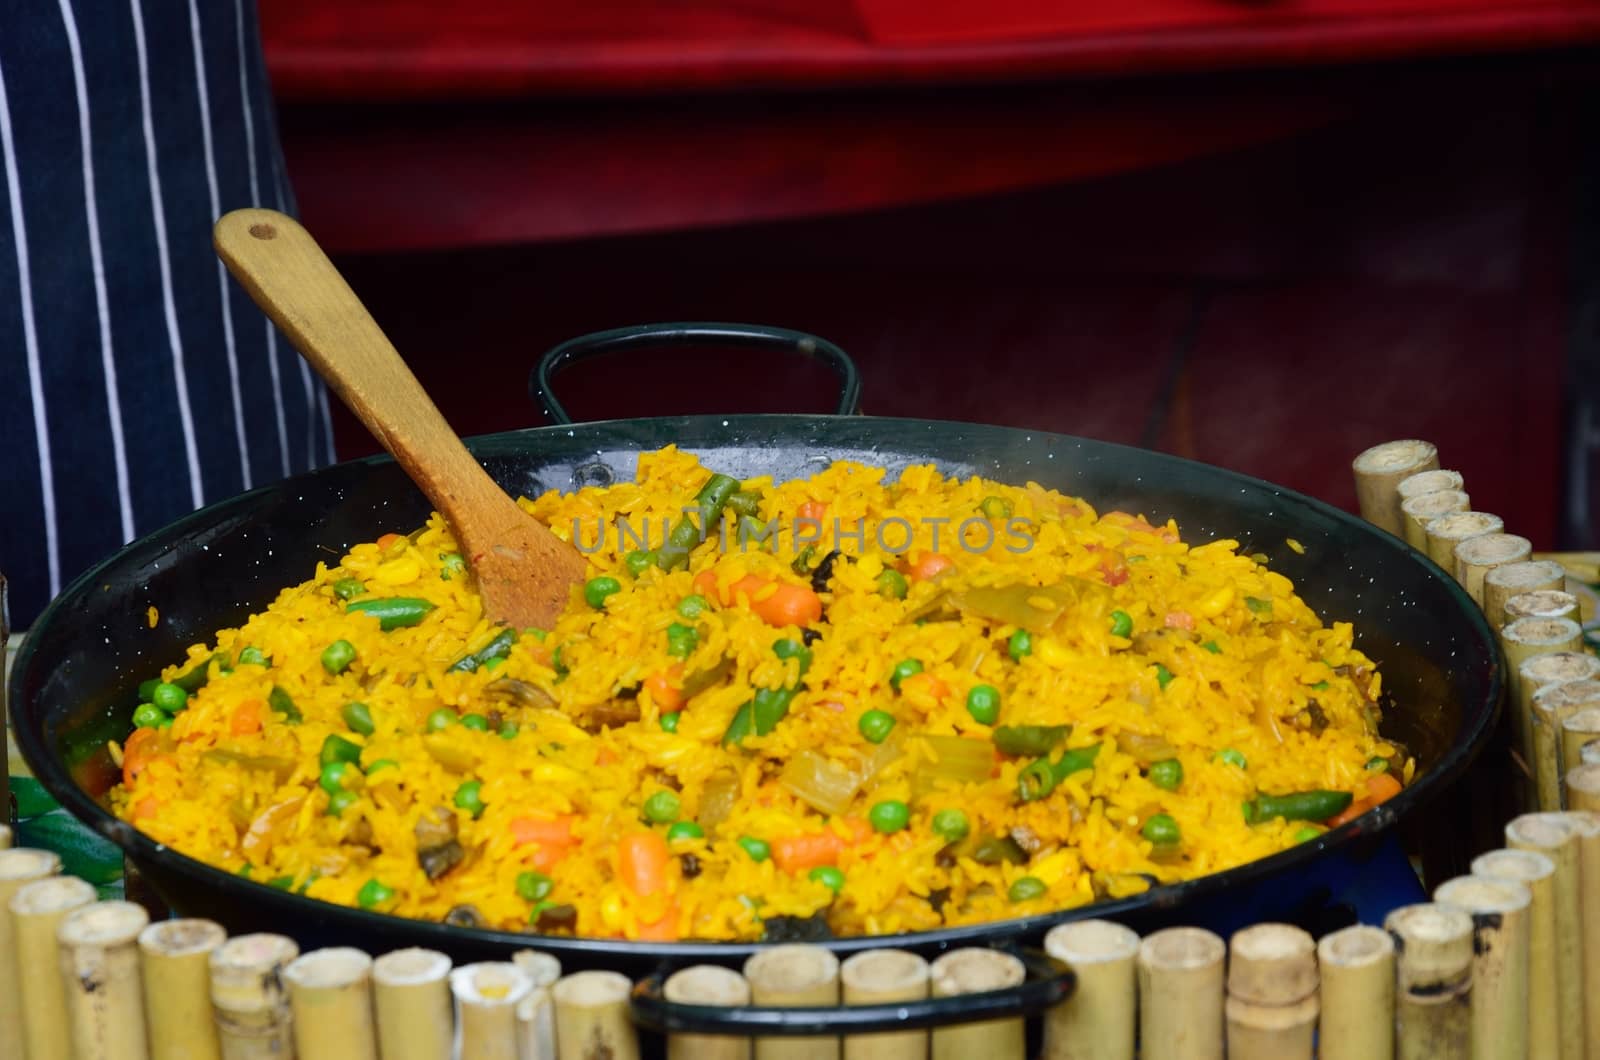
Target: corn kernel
[
  {"x": 611, "y": 911},
  {"x": 1051, "y": 653},
  {"x": 1217, "y": 602},
  {"x": 399, "y": 571}
]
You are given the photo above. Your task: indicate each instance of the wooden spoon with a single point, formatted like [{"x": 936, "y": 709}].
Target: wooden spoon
[{"x": 523, "y": 570}]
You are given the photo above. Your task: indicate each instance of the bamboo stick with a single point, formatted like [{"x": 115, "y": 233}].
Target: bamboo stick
[
  {"x": 100, "y": 976},
  {"x": 1433, "y": 982},
  {"x": 1583, "y": 787},
  {"x": 1552, "y": 835},
  {"x": 486, "y": 996},
  {"x": 1417, "y": 512},
  {"x": 1379, "y": 471},
  {"x": 330, "y": 1000},
  {"x": 175, "y": 963},
  {"x": 1581, "y": 728},
  {"x": 795, "y": 975},
  {"x": 1448, "y": 531},
  {"x": 707, "y": 984},
  {"x": 37, "y": 910},
  {"x": 248, "y": 1000},
  {"x": 1477, "y": 556},
  {"x": 1499, "y": 911},
  {"x": 1272, "y": 1002},
  {"x": 881, "y": 976},
  {"x": 1428, "y": 482},
  {"x": 18, "y": 868},
  {"x": 1514, "y": 579},
  {"x": 1536, "y": 872},
  {"x": 1542, "y": 603},
  {"x": 975, "y": 970},
  {"x": 1552, "y": 706},
  {"x": 1356, "y": 966},
  {"x": 536, "y": 1017},
  {"x": 1097, "y": 1021},
  {"x": 1520, "y": 641},
  {"x": 1181, "y": 992},
  {"x": 1587, "y": 825},
  {"x": 411, "y": 994},
  {"x": 592, "y": 1017}
]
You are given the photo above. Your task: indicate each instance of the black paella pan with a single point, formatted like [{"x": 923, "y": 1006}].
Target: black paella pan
[{"x": 75, "y": 679}]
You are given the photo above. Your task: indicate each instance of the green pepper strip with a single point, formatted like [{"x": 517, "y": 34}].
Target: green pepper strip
[
  {"x": 1040, "y": 777},
  {"x": 1300, "y": 806},
  {"x": 493, "y": 650},
  {"x": 194, "y": 679},
  {"x": 769, "y": 705},
  {"x": 1030, "y": 739},
  {"x": 392, "y": 612},
  {"x": 280, "y": 702},
  {"x": 711, "y": 499}
]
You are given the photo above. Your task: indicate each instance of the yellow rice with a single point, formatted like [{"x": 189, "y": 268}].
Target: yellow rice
[{"x": 1258, "y": 673}]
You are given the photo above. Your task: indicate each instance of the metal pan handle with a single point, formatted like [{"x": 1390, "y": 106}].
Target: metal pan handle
[
  {"x": 1048, "y": 983},
  {"x": 646, "y": 335}
]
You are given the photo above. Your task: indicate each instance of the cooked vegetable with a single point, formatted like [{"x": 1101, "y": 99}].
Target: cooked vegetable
[
  {"x": 890, "y": 815},
  {"x": 902, "y": 670},
  {"x": 281, "y": 703},
  {"x": 1168, "y": 774},
  {"x": 392, "y": 612},
  {"x": 337, "y": 657},
  {"x": 983, "y": 703},
  {"x": 1030, "y": 739},
  {"x": 950, "y": 825},
  {"x": 1161, "y": 830},
  {"x": 1026, "y": 889},
  {"x": 661, "y": 807},
  {"x": 829, "y": 877},
  {"x": 876, "y": 725},
  {"x": 1298, "y": 806},
  {"x": 359, "y": 717},
  {"x": 495, "y": 649}
]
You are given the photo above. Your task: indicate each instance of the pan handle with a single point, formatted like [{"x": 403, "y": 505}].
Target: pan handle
[
  {"x": 645, "y": 335},
  {"x": 1049, "y": 983}
]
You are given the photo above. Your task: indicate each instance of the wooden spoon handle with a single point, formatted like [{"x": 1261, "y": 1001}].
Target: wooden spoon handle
[{"x": 289, "y": 276}]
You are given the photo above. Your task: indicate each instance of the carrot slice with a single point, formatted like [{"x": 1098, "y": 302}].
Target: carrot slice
[
  {"x": 799, "y": 853},
  {"x": 1382, "y": 787},
  {"x": 137, "y": 753},
  {"x": 386, "y": 540},
  {"x": 546, "y": 831},
  {"x": 663, "y": 686},
  {"x": 929, "y": 565},
  {"x": 642, "y": 863},
  {"x": 246, "y": 718},
  {"x": 813, "y": 510}
]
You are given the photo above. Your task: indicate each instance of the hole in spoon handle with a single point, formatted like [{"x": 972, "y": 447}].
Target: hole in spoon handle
[{"x": 263, "y": 231}]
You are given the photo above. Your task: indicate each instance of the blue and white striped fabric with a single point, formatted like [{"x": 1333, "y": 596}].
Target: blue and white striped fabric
[{"x": 137, "y": 381}]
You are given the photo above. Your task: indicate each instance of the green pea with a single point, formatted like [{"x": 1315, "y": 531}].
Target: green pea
[
  {"x": 169, "y": 697},
  {"x": 692, "y": 606},
  {"x": 1121, "y": 623},
  {"x": 662, "y": 807},
  {"x": 902, "y": 670},
  {"x": 332, "y": 777},
  {"x": 995, "y": 508},
  {"x": 382, "y": 763},
  {"x": 876, "y": 725},
  {"x": 451, "y": 564},
  {"x": 165, "y": 722},
  {"x": 758, "y": 849},
  {"x": 337, "y": 657},
  {"x": 890, "y": 815},
  {"x": 536, "y": 633},
  {"x": 1161, "y": 830},
  {"x": 1211, "y": 646},
  {"x": 1377, "y": 764},
  {"x": 1167, "y": 773},
  {"x": 685, "y": 830},
  {"x": 338, "y": 749},
  {"x": 348, "y": 588},
  {"x": 828, "y": 876},
  {"x": 681, "y": 640},
  {"x": 244, "y": 870},
  {"x": 475, "y": 722},
  {"x": 669, "y": 722},
  {"x": 1320, "y": 686},
  {"x": 951, "y": 825},
  {"x": 1163, "y": 676},
  {"x": 508, "y": 730},
  {"x": 148, "y": 715},
  {"x": 892, "y": 584},
  {"x": 983, "y": 703},
  {"x": 1026, "y": 889},
  {"x": 1020, "y": 644},
  {"x": 358, "y": 717},
  {"x": 340, "y": 802},
  {"x": 638, "y": 561},
  {"x": 1306, "y": 834},
  {"x": 469, "y": 796},
  {"x": 534, "y": 886},
  {"x": 373, "y": 894},
  {"x": 1231, "y": 757},
  {"x": 440, "y": 719},
  {"x": 254, "y": 656},
  {"x": 596, "y": 590},
  {"x": 282, "y": 883}
]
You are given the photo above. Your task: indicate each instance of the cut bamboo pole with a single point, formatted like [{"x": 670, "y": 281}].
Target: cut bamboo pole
[
  {"x": 1448, "y": 531},
  {"x": 1272, "y": 993},
  {"x": 1428, "y": 482},
  {"x": 1433, "y": 982},
  {"x": 536, "y": 1017},
  {"x": 1537, "y": 873},
  {"x": 1477, "y": 556},
  {"x": 248, "y": 999},
  {"x": 592, "y": 1017},
  {"x": 1552, "y": 706},
  {"x": 487, "y": 996},
  {"x": 175, "y": 962},
  {"x": 1522, "y": 640},
  {"x": 37, "y": 910},
  {"x": 1552, "y": 835},
  {"x": 1356, "y": 966},
  {"x": 411, "y": 995},
  {"x": 707, "y": 984},
  {"x": 1587, "y": 825},
  {"x": 1417, "y": 512},
  {"x": 1379, "y": 471},
  {"x": 1550, "y": 668},
  {"x": 100, "y": 976},
  {"x": 1580, "y": 729},
  {"x": 18, "y": 868},
  {"x": 1499, "y": 911},
  {"x": 1590, "y": 754},
  {"x": 1543, "y": 603},
  {"x": 1583, "y": 787},
  {"x": 5, "y": 837},
  {"x": 1097, "y": 1021},
  {"x": 1514, "y": 579},
  {"x": 1181, "y": 992},
  {"x": 330, "y": 1000},
  {"x": 975, "y": 970},
  {"x": 794, "y": 975},
  {"x": 878, "y": 977}
]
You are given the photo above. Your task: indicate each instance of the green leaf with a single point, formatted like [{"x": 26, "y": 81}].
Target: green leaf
[
  {"x": 84, "y": 853},
  {"x": 32, "y": 799}
]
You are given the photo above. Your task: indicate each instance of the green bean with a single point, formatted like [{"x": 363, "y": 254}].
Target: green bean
[
  {"x": 1030, "y": 739},
  {"x": 992, "y": 850},
  {"x": 1301, "y": 805},
  {"x": 711, "y": 499},
  {"x": 392, "y": 612},
  {"x": 1075, "y": 761},
  {"x": 1036, "y": 780},
  {"x": 195, "y": 678},
  {"x": 496, "y": 648},
  {"x": 337, "y": 749},
  {"x": 744, "y": 502},
  {"x": 281, "y": 703}
]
